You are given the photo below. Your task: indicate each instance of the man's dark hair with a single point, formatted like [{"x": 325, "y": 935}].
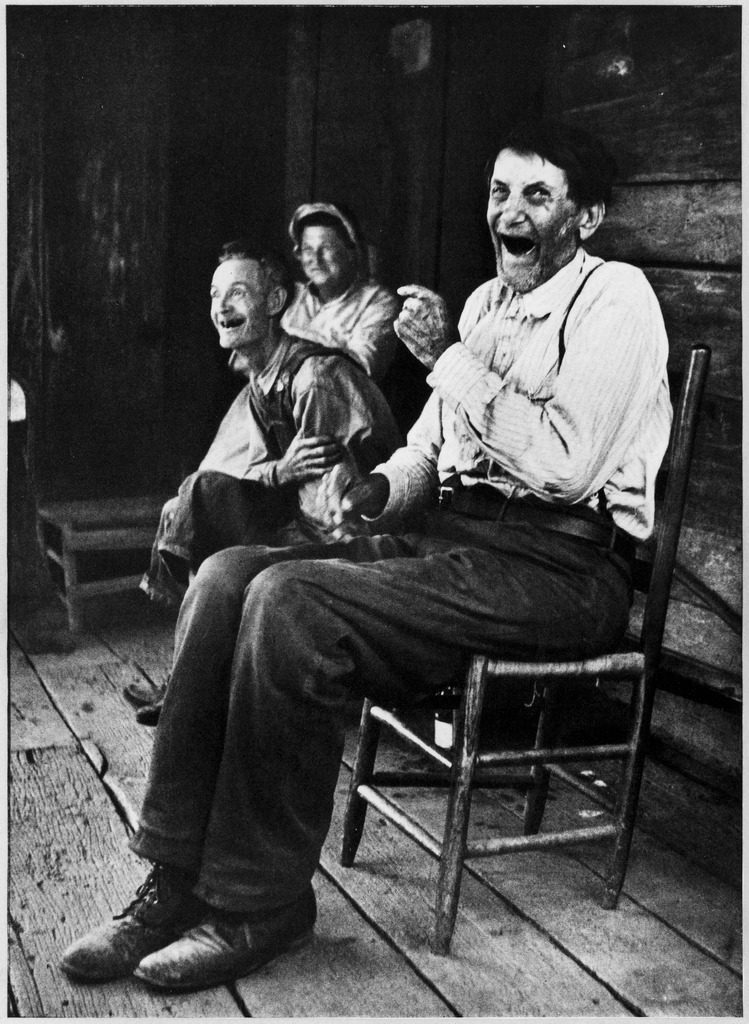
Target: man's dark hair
[
  {"x": 274, "y": 265},
  {"x": 589, "y": 166}
]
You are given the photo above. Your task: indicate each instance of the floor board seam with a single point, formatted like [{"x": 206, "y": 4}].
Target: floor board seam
[{"x": 388, "y": 939}]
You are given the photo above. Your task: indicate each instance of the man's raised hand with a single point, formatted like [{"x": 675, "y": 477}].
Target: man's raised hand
[{"x": 423, "y": 324}]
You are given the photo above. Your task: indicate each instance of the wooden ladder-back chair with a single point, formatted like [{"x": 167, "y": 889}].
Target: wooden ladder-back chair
[{"x": 653, "y": 571}]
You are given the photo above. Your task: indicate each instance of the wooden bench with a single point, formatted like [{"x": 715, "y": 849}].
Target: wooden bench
[{"x": 97, "y": 546}]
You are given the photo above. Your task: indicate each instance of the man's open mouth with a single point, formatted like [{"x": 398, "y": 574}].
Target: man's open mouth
[
  {"x": 229, "y": 325},
  {"x": 517, "y": 245}
]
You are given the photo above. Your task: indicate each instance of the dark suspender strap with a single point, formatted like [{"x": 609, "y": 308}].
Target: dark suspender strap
[
  {"x": 274, "y": 411},
  {"x": 573, "y": 300}
]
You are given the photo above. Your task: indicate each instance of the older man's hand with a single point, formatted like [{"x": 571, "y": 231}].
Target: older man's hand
[
  {"x": 346, "y": 497},
  {"x": 307, "y": 458},
  {"x": 367, "y": 498},
  {"x": 424, "y": 325}
]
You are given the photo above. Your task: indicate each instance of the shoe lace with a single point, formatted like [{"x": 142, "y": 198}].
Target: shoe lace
[{"x": 148, "y": 893}]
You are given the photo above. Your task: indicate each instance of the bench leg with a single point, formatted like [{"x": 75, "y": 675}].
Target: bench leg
[{"x": 70, "y": 576}]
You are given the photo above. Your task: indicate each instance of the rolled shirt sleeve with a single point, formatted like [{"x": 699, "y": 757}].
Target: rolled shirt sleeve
[{"x": 412, "y": 471}]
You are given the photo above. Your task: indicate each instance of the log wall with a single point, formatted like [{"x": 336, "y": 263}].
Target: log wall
[{"x": 662, "y": 87}]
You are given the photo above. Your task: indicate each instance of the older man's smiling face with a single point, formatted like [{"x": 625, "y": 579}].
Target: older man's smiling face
[
  {"x": 239, "y": 310},
  {"x": 533, "y": 222}
]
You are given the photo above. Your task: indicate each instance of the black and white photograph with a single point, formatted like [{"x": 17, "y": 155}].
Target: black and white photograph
[{"x": 374, "y": 511}]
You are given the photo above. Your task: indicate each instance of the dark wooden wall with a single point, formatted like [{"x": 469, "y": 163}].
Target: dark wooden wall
[
  {"x": 86, "y": 238},
  {"x": 140, "y": 139},
  {"x": 226, "y": 160}
]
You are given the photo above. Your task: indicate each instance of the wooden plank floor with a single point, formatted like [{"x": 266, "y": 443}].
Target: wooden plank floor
[{"x": 530, "y": 940}]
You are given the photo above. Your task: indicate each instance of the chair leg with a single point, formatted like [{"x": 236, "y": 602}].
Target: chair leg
[
  {"x": 356, "y": 807},
  {"x": 546, "y": 731},
  {"x": 629, "y": 793},
  {"x": 466, "y": 740}
]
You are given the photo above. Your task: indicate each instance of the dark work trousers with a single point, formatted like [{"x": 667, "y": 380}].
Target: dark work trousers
[
  {"x": 211, "y": 511},
  {"x": 270, "y": 642}
]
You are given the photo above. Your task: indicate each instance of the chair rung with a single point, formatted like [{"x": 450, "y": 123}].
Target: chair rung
[
  {"x": 592, "y": 792},
  {"x": 626, "y": 663},
  {"x": 436, "y": 779},
  {"x": 388, "y": 718},
  {"x": 540, "y": 841},
  {"x": 405, "y": 822},
  {"x": 114, "y": 585},
  {"x": 605, "y": 751},
  {"x": 51, "y": 553}
]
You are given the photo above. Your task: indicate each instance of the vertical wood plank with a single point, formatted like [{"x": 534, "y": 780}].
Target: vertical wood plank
[
  {"x": 353, "y": 140},
  {"x": 107, "y": 189},
  {"x": 416, "y": 111},
  {"x": 495, "y": 57},
  {"x": 303, "y": 55}
]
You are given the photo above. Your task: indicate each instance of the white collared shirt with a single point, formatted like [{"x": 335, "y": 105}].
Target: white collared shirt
[
  {"x": 501, "y": 411},
  {"x": 360, "y": 321}
]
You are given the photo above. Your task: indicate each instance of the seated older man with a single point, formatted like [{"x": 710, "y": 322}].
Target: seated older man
[{"x": 306, "y": 411}]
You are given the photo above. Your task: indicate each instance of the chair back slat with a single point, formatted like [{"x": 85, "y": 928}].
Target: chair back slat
[{"x": 671, "y": 513}]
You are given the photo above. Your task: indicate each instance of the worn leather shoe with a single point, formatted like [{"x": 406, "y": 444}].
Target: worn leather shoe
[
  {"x": 226, "y": 947},
  {"x": 150, "y": 714},
  {"x": 142, "y": 693},
  {"x": 162, "y": 910}
]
